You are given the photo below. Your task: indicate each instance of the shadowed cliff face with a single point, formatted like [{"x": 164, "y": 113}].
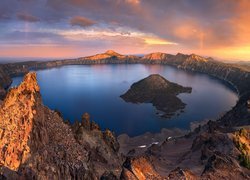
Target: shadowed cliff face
[
  {"x": 5, "y": 81},
  {"x": 139, "y": 168},
  {"x": 35, "y": 142}
]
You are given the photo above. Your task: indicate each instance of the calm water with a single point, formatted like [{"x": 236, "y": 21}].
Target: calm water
[{"x": 96, "y": 89}]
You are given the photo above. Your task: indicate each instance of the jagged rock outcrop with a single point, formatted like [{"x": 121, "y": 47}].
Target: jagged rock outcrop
[
  {"x": 16, "y": 122},
  {"x": 110, "y": 56},
  {"x": 211, "y": 153},
  {"x": 180, "y": 174},
  {"x": 160, "y": 92},
  {"x": 222, "y": 165},
  {"x": 156, "y": 56},
  {"x": 107, "y": 55},
  {"x": 36, "y": 143},
  {"x": 139, "y": 168}
]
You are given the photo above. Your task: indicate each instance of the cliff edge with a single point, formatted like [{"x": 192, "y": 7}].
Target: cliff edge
[{"x": 36, "y": 143}]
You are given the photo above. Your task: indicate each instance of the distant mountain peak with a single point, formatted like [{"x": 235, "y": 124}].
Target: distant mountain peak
[
  {"x": 197, "y": 58},
  {"x": 112, "y": 53},
  {"x": 155, "y": 56}
]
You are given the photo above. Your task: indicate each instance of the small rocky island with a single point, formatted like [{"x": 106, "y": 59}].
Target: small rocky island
[{"x": 160, "y": 92}]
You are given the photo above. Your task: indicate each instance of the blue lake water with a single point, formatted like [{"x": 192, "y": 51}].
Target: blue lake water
[{"x": 95, "y": 89}]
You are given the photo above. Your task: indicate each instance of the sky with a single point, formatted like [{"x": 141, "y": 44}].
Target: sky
[{"x": 76, "y": 28}]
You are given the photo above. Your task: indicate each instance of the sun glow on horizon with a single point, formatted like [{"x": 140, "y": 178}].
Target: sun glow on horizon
[
  {"x": 82, "y": 28},
  {"x": 157, "y": 41}
]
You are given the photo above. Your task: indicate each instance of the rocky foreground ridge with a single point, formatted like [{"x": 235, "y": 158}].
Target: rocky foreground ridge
[
  {"x": 160, "y": 92},
  {"x": 35, "y": 142}
]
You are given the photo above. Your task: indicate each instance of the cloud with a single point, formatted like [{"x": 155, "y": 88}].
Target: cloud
[
  {"x": 31, "y": 37},
  {"x": 196, "y": 26},
  {"x": 158, "y": 41},
  {"x": 81, "y": 21},
  {"x": 3, "y": 16},
  {"x": 134, "y": 2},
  {"x": 27, "y": 17}
]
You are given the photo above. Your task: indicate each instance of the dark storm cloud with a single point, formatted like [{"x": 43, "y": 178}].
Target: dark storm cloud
[
  {"x": 27, "y": 17},
  {"x": 22, "y": 37},
  {"x": 165, "y": 18},
  {"x": 81, "y": 21}
]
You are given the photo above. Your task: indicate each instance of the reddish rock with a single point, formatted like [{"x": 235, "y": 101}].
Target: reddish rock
[
  {"x": 180, "y": 174},
  {"x": 139, "y": 168}
]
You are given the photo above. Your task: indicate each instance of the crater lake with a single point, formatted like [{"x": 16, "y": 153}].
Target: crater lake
[{"x": 96, "y": 89}]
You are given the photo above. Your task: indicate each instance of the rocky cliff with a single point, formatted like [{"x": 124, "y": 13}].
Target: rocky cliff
[
  {"x": 156, "y": 56},
  {"x": 16, "y": 122},
  {"x": 36, "y": 143}
]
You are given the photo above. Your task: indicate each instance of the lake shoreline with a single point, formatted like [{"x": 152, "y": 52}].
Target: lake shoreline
[
  {"x": 234, "y": 76},
  {"x": 117, "y": 109}
]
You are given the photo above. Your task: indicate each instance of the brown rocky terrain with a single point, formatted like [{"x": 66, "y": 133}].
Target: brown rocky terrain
[
  {"x": 160, "y": 92},
  {"x": 110, "y": 56},
  {"x": 35, "y": 142},
  {"x": 156, "y": 56}
]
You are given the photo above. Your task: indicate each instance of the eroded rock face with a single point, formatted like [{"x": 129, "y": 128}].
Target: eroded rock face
[
  {"x": 160, "y": 92},
  {"x": 37, "y": 143},
  {"x": 16, "y": 122},
  {"x": 139, "y": 168},
  {"x": 110, "y": 54},
  {"x": 180, "y": 174},
  {"x": 222, "y": 165},
  {"x": 156, "y": 56}
]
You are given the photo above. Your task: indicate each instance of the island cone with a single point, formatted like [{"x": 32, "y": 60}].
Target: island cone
[{"x": 160, "y": 92}]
